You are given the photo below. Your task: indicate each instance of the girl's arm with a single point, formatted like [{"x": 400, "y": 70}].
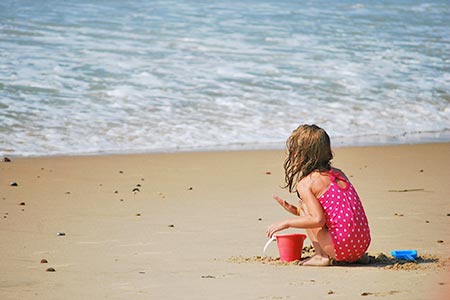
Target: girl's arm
[
  {"x": 313, "y": 217},
  {"x": 286, "y": 205}
]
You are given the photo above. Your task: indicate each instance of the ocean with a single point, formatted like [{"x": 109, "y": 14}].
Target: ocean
[{"x": 91, "y": 77}]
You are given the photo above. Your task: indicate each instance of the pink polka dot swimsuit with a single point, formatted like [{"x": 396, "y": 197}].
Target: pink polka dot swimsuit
[{"x": 345, "y": 219}]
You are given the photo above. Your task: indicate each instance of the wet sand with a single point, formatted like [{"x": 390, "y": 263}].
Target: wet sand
[{"x": 192, "y": 226}]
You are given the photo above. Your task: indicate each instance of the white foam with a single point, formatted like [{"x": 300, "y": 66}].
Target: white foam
[{"x": 231, "y": 77}]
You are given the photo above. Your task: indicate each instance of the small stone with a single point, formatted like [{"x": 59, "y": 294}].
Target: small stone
[
  {"x": 259, "y": 219},
  {"x": 190, "y": 188},
  {"x": 330, "y": 292},
  {"x": 44, "y": 261},
  {"x": 440, "y": 241},
  {"x": 121, "y": 172},
  {"x": 22, "y": 203},
  {"x": 14, "y": 184},
  {"x": 138, "y": 215},
  {"x": 366, "y": 294},
  {"x": 116, "y": 192},
  {"x": 6, "y": 159},
  {"x": 67, "y": 193},
  {"x": 171, "y": 225},
  {"x": 268, "y": 173},
  {"x": 60, "y": 234},
  {"x": 135, "y": 190},
  {"x": 421, "y": 171},
  {"x": 427, "y": 221},
  {"x": 50, "y": 270},
  {"x": 448, "y": 215}
]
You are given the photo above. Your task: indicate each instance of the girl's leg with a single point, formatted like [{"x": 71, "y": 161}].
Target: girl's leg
[{"x": 322, "y": 243}]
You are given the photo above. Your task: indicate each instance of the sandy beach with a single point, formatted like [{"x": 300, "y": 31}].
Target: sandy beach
[{"x": 192, "y": 226}]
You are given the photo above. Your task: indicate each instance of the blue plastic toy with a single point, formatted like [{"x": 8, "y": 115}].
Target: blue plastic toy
[{"x": 404, "y": 254}]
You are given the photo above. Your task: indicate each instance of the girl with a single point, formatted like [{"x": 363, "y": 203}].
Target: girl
[{"x": 329, "y": 207}]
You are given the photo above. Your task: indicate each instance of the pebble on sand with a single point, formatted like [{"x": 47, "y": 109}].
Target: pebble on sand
[
  {"x": 22, "y": 203},
  {"x": 14, "y": 184},
  {"x": 44, "y": 261},
  {"x": 6, "y": 159},
  {"x": 50, "y": 270}
]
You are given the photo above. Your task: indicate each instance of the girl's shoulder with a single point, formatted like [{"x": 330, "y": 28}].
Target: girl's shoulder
[{"x": 316, "y": 181}]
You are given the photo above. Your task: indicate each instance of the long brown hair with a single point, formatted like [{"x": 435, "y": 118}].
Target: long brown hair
[{"x": 308, "y": 149}]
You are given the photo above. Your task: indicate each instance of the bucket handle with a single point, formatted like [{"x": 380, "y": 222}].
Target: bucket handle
[{"x": 273, "y": 238}]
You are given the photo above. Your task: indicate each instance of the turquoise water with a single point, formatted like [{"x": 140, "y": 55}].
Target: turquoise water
[{"x": 143, "y": 76}]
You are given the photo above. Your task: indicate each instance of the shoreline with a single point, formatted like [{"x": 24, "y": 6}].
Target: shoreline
[
  {"x": 167, "y": 225},
  {"x": 354, "y": 142}
]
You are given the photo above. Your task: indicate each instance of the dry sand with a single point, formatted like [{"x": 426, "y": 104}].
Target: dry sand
[{"x": 196, "y": 225}]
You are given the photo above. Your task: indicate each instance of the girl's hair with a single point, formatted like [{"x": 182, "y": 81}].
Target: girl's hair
[{"x": 308, "y": 149}]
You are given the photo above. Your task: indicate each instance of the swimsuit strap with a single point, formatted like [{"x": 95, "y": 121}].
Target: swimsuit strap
[{"x": 335, "y": 174}]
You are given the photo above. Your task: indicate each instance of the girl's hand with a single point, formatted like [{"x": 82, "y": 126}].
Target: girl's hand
[
  {"x": 275, "y": 227},
  {"x": 286, "y": 205}
]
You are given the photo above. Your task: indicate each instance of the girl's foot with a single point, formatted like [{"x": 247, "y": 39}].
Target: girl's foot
[{"x": 317, "y": 261}]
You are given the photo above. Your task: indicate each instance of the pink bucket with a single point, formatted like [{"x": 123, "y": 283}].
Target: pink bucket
[{"x": 289, "y": 246}]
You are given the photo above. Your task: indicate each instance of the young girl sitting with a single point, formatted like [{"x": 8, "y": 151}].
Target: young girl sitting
[{"x": 329, "y": 207}]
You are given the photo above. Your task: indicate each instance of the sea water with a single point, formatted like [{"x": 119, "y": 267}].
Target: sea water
[{"x": 83, "y": 76}]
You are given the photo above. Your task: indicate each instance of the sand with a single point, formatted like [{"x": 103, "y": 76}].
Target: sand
[{"x": 192, "y": 226}]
